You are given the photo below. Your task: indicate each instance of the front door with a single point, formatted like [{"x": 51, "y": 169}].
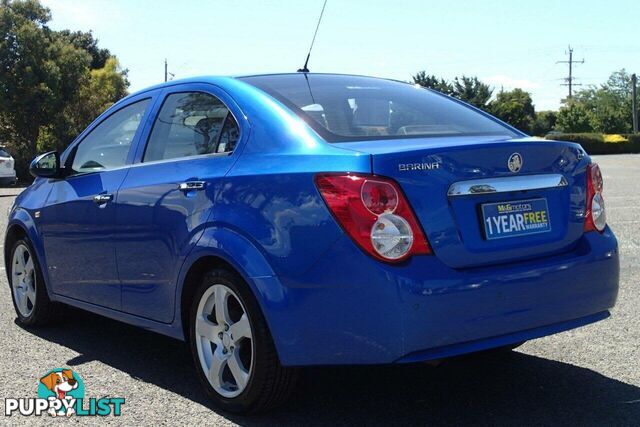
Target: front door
[
  {"x": 165, "y": 200},
  {"x": 78, "y": 219}
]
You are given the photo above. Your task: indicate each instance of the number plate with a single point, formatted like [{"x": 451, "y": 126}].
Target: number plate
[{"x": 511, "y": 219}]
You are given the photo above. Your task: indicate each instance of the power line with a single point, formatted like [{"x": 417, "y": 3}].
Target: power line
[{"x": 569, "y": 80}]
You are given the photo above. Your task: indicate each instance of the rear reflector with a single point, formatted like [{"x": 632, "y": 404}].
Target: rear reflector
[{"x": 374, "y": 212}]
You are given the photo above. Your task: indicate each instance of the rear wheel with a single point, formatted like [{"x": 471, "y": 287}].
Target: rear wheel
[
  {"x": 28, "y": 291},
  {"x": 232, "y": 348}
]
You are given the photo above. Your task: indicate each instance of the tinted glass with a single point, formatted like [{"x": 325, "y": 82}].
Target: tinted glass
[
  {"x": 107, "y": 146},
  {"x": 344, "y": 108},
  {"x": 191, "y": 124},
  {"x": 4, "y": 153}
]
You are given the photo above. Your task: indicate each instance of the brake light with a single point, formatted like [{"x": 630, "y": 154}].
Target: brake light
[
  {"x": 374, "y": 212},
  {"x": 595, "y": 216}
]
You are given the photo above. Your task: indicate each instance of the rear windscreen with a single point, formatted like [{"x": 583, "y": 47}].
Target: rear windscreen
[{"x": 353, "y": 108}]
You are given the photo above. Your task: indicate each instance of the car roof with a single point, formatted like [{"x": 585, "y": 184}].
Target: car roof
[
  {"x": 320, "y": 74},
  {"x": 220, "y": 80}
]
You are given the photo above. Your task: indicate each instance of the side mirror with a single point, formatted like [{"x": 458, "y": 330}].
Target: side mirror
[{"x": 46, "y": 165}]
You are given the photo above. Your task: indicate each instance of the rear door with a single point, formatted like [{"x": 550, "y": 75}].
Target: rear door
[
  {"x": 78, "y": 219},
  {"x": 165, "y": 201},
  {"x": 485, "y": 201}
]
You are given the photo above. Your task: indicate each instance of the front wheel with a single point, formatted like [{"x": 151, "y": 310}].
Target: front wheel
[
  {"x": 28, "y": 291},
  {"x": 232, "y": 348}
]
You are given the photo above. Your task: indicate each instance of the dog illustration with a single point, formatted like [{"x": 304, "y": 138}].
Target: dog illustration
[{"x": 60, "y": 383}]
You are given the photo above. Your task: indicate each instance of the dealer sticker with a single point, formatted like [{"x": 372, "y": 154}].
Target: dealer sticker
[{"x": 511, "y": 219}]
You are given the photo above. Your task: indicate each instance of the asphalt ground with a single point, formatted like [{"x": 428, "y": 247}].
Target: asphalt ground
[{"x": 589, "y": 376}]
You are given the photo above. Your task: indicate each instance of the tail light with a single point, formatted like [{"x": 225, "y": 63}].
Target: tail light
[
  {"x": 374, "y": 212},
  {"x": 595, "y": 216}
]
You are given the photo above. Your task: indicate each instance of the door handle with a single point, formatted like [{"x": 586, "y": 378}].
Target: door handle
[
  {"x": 191, "y": 185},
  {"x": 101, "y": 199}
]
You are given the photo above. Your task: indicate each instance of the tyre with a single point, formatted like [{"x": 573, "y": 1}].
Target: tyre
[
  {"x": 232, "y": 348},
  {"x": 28, "y": 290}
]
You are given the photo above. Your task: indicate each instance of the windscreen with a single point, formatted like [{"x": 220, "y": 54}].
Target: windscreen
[{"x": 353, "y": 108}]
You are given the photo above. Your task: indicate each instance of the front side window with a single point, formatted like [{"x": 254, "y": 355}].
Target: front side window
[
  {"x": 347, "y": 108},
  {"x": 108, "y": 144},
  {"x": 191, "y": 124}
]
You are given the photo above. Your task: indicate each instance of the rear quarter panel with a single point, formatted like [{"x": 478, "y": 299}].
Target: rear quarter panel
[{"x": 269, "y": 195}]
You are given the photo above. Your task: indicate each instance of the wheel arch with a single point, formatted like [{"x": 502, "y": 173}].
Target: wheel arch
[
  {"x": 192, "y": 280},
  {"x": 22, "y": 225},
  {"x": 14, "y": 233},
  {"x": 224, "y": 247}
]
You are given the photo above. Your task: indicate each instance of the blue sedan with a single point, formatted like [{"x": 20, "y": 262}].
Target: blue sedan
[{"x": 289, "y": 220}]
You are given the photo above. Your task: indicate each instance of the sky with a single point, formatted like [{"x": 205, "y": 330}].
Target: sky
[{"x": 505, "y": 43}]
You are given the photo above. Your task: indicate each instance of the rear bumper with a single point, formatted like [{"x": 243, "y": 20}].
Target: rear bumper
[
  {"x": 499, "y": 341},
  {"x": 350, "y": 309}
]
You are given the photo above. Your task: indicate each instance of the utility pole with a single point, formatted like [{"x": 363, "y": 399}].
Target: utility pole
[
  {"x": 167, "y": 75},
  {"x": 634, "y": 101},
  {"x": 569, "y": 80}
]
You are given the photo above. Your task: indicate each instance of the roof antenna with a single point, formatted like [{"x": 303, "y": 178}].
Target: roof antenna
[{"x": 305, "y": 69}]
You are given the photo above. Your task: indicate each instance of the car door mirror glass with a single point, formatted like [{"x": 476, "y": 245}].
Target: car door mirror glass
[{"x": 46, "y": 165}]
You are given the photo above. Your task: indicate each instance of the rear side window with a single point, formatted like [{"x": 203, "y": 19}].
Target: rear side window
[
  {"x": 191, "y": 124},
  {"x": 348, "y": 108},
  {"x": 108, "y": 144}
]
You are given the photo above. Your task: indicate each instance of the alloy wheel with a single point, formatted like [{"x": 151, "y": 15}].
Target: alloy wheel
[
  {"x": 224, "y": 341},
  {"x": 23, "y": 280}
]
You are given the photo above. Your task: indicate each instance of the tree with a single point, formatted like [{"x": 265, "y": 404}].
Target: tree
[
  {"x": 472, "y": 90},
  {"x": 432, "y": 82},
  {"x": 38, "y": 72},
  {"x": 85, "y": 41},
  {"x": 468, "y": 89},
  {"x": 514, "y": 107},
  {"x": 46, "y": 81},
  {"x": 100, "y": 88},
  {"x": 544, "y": 122},
  {"x": 574, "y": 117},
  {"x": 609, "y": 105}
]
